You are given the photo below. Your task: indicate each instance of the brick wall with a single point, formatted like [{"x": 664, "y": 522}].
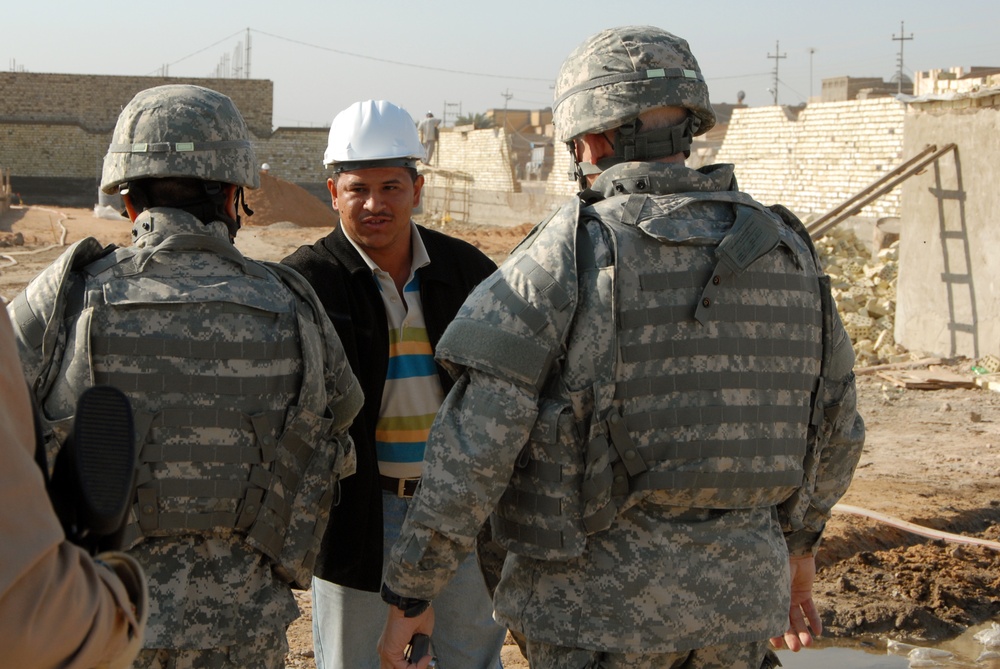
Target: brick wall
[
  {"x": 482, "y": 154},
  {"x": 94, "y": 101},
  {"x": 814, "y": 161}
]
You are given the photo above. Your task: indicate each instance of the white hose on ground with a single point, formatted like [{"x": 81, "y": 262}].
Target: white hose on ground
[
  {"x": 62, "y": 237},
  {"x": 916, "y": 529}
]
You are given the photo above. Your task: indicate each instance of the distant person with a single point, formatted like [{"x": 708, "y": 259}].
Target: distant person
[
  {"x": 428, "y": 129},
  {"x": 241, "y": 391},
  {"x": 58, "y": 607},
  {"x": 655, "y": 399},
  {"x": 391, "y": 287}
]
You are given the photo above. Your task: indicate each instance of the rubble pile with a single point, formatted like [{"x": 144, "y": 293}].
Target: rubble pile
[{"x": 865, "y": 291}]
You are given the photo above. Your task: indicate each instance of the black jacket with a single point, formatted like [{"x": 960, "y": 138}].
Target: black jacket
[{"x": 351, "y": 552}]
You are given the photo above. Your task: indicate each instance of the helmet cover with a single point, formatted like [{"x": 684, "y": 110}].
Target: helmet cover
[
  {"x": 180, "y": 130},
  {"x": 617, "y": 74}
]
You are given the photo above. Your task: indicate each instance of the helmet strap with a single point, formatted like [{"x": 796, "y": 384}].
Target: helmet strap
[
  {"x": 581, "y": 169},
  {"x": 631, "y": 145}
]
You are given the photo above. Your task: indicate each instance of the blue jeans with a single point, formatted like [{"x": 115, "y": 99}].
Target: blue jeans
[{"x": 347, "y": 623}]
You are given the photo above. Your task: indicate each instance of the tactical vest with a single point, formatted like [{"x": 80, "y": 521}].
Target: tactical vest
[
  {"x": 690, "y": 377},
  {"x": 224, "y": 366}
]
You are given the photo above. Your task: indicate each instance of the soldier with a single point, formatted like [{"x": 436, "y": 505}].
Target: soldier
[
  {"x": 391, "y": 288},
  {"x": 240, "y": 388},
  {"x": 655, "y": 398}
]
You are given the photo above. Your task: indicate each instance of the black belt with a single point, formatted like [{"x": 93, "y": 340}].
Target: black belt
[{"x": 399, "y": 487}]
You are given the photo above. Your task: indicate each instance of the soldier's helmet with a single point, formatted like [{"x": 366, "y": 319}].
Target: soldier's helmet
[
  {"x": 180, "y": 130},
  {"x": 617, "y": 74},
  {"x": 373, "y": 133}
]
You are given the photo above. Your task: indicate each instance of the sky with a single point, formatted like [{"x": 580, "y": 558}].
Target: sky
[{"x": 451, "y": 57}]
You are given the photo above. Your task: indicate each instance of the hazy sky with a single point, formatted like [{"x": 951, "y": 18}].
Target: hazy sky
[{"x": 424, "y": 55}]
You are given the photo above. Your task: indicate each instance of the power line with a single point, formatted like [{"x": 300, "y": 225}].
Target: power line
[
  {"x": 396, "y": 62},
  {"x": 167, "y": 65}
]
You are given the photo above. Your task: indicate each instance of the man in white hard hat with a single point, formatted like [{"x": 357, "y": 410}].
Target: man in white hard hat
[{"x": 391, "y": 287}]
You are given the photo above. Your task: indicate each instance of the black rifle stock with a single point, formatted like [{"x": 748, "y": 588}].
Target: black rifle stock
[{"x": 93, "y": 479}]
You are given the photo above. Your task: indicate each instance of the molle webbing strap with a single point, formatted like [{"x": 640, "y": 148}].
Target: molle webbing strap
[
  {"x": 674, "y": 480},
  {"x": 529, "y": 315},
  {"x": 700, "y": 381},
  {"x": 657, "y": 281},
  {"x": 219, "y": 489},
  {"x": 31, "y": 327},
  {"x": 196, "y": 350},
  {"x": 226, "y": 454},
  {"x": 660, "y": 281},
  {"x": 728, "y": 313},
  {"x": 671, "y": 417},
  {"x": 545, "y": 471},
  {"x": 758, "y": 447},
  {"x": 711, "y": 347},
  {"x": 543, "y": 282},
  {"x": 196, "y": 522},
  {"x": 632, "y": 209},
  {"x": 209, "y": 384},
  {"x": 533, "y": 502},
  {"x": 622, "y": 441},
  {"x": 530, "y": 534}
]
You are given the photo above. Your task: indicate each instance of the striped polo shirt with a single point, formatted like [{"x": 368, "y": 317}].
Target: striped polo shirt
[{"x": 412, "y": 393}]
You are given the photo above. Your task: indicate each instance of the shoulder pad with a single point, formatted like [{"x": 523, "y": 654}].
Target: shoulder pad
[
  {"x": 37, "y": 311},
  {"x": 514, "y": 324}
]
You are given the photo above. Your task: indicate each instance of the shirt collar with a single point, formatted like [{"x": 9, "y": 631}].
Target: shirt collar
[{"x": 418, "y": 252}]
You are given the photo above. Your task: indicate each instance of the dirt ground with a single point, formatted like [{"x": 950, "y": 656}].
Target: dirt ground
[{"x": 932, "y": 458}]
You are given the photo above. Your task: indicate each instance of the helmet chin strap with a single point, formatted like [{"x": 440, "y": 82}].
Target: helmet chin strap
[{"x": 581, "y": 169}]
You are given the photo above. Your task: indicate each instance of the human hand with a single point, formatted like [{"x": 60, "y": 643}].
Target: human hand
[
  {"x": 396, "y": 637},
  {"x": 802, "y": 613}
]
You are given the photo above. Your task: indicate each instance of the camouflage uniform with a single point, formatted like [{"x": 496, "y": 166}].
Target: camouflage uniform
[
  {"x": 655, "y": 396},
  {"x": 242, "y": 396}
]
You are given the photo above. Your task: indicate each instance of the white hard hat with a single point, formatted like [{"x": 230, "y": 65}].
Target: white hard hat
[
  {"x": 265, "y": 167},
  {"x": 373, "y": 133}
]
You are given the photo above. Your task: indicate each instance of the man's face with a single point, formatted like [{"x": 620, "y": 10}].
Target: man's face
[{"x": 375, "y": 206}]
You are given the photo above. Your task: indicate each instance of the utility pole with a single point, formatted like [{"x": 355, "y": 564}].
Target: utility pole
[
  {"x": 507, "y": 95},
  {"x": 812, "y": 50},
  {"x": 899, "y": 63},
  {"x": 776, "y": 58},
  {"x": 247, "y": 70}
]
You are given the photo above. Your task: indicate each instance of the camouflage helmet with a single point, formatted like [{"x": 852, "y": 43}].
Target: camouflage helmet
[
  {"x": 617, "y": 74},
  {"x": 180, "y": 130}
]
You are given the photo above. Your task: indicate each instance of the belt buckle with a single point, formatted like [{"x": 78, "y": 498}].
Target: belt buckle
[{"x": 401, "y": 488}]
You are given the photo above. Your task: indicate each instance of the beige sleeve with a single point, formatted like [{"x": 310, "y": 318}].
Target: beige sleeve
[{"x": 57, "y": 606}]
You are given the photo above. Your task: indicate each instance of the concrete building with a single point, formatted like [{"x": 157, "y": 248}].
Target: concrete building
[{"x": 949, "y": 253}]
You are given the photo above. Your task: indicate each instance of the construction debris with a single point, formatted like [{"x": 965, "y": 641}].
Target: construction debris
[{"x": 865, "y": 292}]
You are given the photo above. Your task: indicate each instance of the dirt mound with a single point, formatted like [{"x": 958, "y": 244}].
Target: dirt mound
[{"x": 279, "y": 201}]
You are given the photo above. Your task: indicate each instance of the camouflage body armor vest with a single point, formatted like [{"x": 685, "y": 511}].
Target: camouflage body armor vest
[
  {"x": 224, "y": 367},
  {"x": 690, "y": 377}
]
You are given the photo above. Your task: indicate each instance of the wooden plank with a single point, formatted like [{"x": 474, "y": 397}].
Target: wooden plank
[
  {"x": 934, "y": 378},
  {"x": 886, "y": 183}
]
